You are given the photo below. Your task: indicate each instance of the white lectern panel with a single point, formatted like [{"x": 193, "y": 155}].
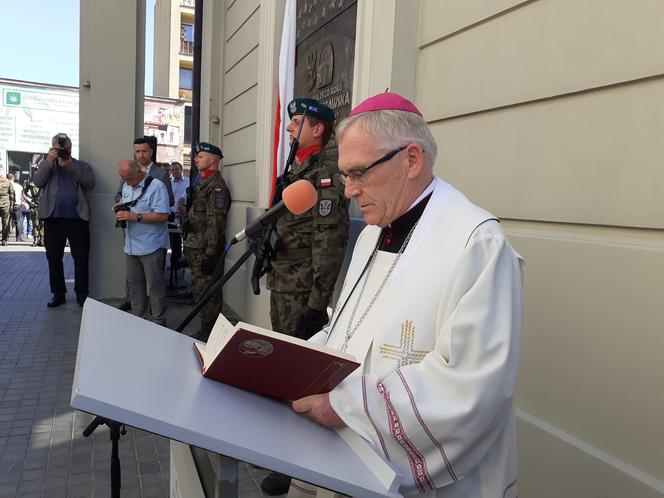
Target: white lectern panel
[{"x": 147, "y": 376}]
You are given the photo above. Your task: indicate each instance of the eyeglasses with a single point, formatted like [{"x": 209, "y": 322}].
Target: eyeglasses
[{"x": 358, "y": 175}]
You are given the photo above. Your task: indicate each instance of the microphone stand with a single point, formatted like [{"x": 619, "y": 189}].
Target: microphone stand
[
  {"x": 214, "y": 288},
  {"x": 114, "y": 427}
]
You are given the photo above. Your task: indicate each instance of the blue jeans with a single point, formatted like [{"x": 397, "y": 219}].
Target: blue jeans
[{"x": 25, "y": 215}]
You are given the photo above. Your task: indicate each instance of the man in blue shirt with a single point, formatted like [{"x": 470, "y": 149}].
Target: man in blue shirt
[{"x": 146, "y": 239}]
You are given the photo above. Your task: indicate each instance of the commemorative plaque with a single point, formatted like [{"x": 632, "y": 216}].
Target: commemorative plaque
[{"x": 325, "y": 52}]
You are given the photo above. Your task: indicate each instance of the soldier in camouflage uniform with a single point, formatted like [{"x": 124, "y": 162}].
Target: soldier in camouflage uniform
[
  {"x": 31, "y": 195},
  {"x": 7, "y": 200},
  {"x": 205, "y": 240},
  {"x": 310, "y": 248}
]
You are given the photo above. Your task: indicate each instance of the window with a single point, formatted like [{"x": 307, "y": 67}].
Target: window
[
  {"x": 186, "y": 78},
  {"x": 187, "y": 124},
  {"x": 186, "y": 39}
]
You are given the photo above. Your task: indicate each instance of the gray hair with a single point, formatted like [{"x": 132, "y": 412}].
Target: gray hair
[
  {"x": 393, "y": 128},
  {"x": 135, "y": 166}
]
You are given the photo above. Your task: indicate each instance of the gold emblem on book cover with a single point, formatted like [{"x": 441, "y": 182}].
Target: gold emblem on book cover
[
  {"x": 256, "y": 348},
  {"x": 404, "y": 352}
]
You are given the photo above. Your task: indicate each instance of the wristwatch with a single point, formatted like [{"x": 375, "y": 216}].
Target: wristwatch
[{"x": 139, "y": 217}]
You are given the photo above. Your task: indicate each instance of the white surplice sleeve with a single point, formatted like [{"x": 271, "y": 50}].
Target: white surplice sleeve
[{"x": 436, "y": 421}]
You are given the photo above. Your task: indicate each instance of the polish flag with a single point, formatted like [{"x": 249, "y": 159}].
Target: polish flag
[{"x": 286, "y": 83}]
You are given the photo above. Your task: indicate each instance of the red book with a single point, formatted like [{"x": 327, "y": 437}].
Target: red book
[{"x": 271, "y": 363}]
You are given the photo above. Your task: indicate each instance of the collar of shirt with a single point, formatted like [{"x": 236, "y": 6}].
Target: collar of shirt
[
  {"x": 207, "y": 173},
  {"x": 303, "y": 154},
  {"x": 395, "y": 234}
]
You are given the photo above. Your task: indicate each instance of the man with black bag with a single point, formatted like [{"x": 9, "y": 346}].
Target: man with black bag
[{"x": 143, "y": 213}]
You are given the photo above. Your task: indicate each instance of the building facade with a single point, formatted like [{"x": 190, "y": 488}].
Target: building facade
[
  {"x": 173, "y": 59},
  {"x": 31, "y": 113}
]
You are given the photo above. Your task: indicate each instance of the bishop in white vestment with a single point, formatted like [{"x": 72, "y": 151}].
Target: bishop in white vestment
[{"x": 431, "y": 306}]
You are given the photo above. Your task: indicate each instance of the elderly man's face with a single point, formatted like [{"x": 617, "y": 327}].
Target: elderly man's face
[
  {"x": 381, "y": 192},
  {"x": 131, "y": 176}
]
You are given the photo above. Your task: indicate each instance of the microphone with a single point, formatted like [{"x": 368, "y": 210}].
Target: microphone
[{"x": 297, "y": 198}]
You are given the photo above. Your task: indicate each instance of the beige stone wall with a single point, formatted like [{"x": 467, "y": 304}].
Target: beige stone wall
[
  {"x": 550, "y": 114},
  {"x": 230, "y": 89}
]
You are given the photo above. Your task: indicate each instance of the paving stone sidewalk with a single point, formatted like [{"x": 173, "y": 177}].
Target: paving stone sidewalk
[{"x": 42, "y": 450}]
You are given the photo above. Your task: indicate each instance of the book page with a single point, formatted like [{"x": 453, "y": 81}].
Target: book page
[{"x": 221, "y": 333}]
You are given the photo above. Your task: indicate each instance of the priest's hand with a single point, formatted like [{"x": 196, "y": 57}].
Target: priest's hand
[{"x": 317, "y": 407}]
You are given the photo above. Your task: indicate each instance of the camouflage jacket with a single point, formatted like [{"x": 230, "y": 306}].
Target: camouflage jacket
[
  {"x": 310, "y": 248},
  {"x": 207, "y": 216},
  {"x": 31, "y": 194},
  {"x": 7, "y": 194}
]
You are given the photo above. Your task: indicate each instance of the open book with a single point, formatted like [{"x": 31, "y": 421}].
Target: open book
[{"x": 270, "y": 363}]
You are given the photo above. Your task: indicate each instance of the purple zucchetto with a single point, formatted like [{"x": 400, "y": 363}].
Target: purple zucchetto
[{"x": 383, "y": 102}]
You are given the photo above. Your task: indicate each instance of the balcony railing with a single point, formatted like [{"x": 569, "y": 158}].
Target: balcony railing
[{"x": 186, "y": 47}]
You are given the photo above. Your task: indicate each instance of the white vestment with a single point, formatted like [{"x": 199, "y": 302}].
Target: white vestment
[{"x": 439, "y": 349}]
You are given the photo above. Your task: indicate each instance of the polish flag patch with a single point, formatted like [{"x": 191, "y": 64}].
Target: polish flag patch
[{"x": 326, "y": 182}]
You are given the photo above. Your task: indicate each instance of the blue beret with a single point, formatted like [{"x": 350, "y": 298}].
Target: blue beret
[
  {"x": 314, "y": 109},
  {"x": 206, "y": 147}
]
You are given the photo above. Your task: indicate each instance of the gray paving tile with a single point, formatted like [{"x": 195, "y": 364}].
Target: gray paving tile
[{"x": 42, "y": 451}]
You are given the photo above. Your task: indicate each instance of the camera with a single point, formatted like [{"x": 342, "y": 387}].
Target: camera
[
  {"x": 117, "y": 209},
  {"x": 62, "y": 141}
]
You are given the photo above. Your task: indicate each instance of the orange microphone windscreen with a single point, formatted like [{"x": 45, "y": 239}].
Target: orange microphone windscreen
[{"x": 299, "y": 197}]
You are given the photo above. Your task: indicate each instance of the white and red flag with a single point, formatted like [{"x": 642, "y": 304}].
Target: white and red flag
[{"x": 286, "y": 83}]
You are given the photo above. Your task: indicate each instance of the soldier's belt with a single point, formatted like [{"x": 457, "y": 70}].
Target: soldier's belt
[{"x": 298, "y": 253}]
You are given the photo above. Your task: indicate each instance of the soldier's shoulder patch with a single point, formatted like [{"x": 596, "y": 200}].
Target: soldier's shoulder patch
[
  {"x": 325, "y": 207},
  {"x": 326, "y": 182},
  {"x": 219, "y": 201}
]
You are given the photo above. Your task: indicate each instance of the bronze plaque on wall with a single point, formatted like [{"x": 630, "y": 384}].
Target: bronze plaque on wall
[{"x": 325, "y": 52}]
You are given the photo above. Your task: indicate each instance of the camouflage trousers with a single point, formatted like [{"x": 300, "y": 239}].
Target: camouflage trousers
[
  {"x": 285, "y": 309},
  {"x": 4, "y": 221},
  {"x": 199, "y": 283},
  {"x": 37, "y": 226}
]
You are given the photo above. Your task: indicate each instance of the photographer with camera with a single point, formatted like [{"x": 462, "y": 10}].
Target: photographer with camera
[
  {"x": 64, "y": 207},
  {"x": 143, "y": 213}
]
